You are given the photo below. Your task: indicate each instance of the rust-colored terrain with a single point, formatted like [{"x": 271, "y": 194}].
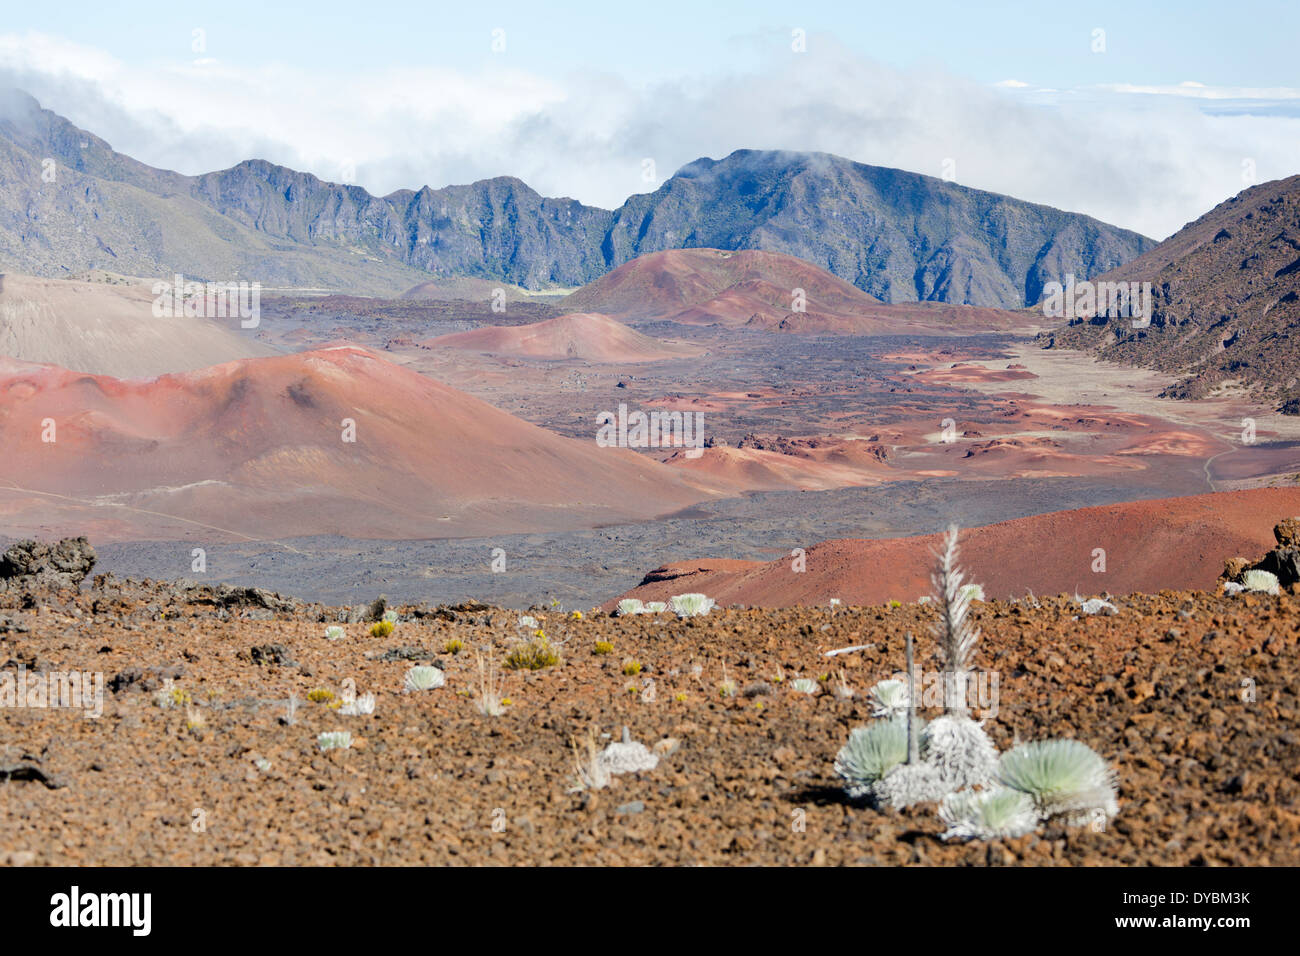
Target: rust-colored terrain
[
  {"x": 332, "y": 441},
  {"x": 581, "y": 335},
  {"x": 1191, "y": 695},
  {"x": 1170, "y": 543}
]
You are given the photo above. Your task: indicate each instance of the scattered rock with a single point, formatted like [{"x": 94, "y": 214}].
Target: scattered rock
[
  {"x": 27, "y": 771},
  {"x": 271, "y": 654}
]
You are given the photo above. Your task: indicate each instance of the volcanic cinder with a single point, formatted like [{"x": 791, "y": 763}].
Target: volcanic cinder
[
  {"x": 580, "y": 335},
  {"x": 333, "y": 441}
]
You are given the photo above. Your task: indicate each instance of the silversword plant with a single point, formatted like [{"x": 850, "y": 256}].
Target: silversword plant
[
  {"x": 423, "y": 677},
  {"x": 627, "y": 756},
  {"x": 690, "y": 605},
  {"x": 991, "y": 814},
  {"x": 362, "y": 706},
  {"x": 1264, "y": 582},
  {"x": 871, "y": 752},
  {"x": 889, "y": 698},
  {"x": 1064, "y": 778}
]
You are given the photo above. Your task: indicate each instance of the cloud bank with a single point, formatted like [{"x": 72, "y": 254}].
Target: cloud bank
[{"x": 1143, "y": 157}]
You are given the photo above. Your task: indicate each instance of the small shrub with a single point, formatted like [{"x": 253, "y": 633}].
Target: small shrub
[
  {"x": 631, "y": 667},
  {"x": 381, "y": 628},
  {"x": 319, "y": 695},
  {"x": 170, "y": 697},
  {"x": 454, "y": 646},
  {"x": 589, "y": 771},
  {"x": 490, "y": 702},
  {"x": 604, "y": 647},
  {"x": 533, "y": 655},
  {"x": 681, "y": 698}
]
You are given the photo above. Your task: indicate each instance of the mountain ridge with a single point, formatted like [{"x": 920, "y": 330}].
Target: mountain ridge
[
  {"x": 1225, "y": 302},
  {"x": 899, "y": 236}
]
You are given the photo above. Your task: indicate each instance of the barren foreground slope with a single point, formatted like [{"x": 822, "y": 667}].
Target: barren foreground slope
[{"x": 1191, "y": 695}]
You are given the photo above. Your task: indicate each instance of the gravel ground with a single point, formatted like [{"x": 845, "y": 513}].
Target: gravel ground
[
  {"x": 1192, "y": 696},
  {"x": 584, "y": 568}
]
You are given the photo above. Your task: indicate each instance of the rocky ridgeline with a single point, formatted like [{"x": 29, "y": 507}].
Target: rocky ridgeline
[
  {"x": 1283, "y": 561},
  {"x": 36, "y": 573}
]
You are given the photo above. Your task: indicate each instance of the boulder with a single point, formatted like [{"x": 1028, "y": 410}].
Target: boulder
[
  {"x": 29, "y": 564},
  {"x": 1287, "y": 532}
]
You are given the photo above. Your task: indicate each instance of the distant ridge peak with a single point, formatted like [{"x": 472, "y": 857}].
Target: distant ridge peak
[{"x": 899, "y": 236}]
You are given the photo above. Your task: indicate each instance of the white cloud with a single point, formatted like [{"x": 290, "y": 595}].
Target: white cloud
[
  {"x": 1149, "y": 162},
  {"x": 1200, "y": 91}
]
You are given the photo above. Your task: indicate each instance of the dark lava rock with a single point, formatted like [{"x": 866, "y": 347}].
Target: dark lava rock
[
  {"x": 35, "y": 564},
  {"x": 1284, "y": 562},
  {"x": 239, "y": 597},
  {"x": 30, "y": 772},
  {"x": 147, "y": 679},
  {"x": 271, "y": 654}
]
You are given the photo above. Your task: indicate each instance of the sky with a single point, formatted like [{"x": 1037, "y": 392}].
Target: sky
[{"x": 1141, "y": 116}]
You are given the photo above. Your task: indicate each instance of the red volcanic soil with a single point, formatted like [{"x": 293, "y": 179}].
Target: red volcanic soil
[
  {"x": 256, "y": 448},
  {"x": 809, "y": 464},
  {"x": 755, "y": 289},
  {"x": 1149, "y": 546},
  {"x": 966, "y": 372},
  {"x": 579, "y": 335},
  {"x": 704, "y": 286}
]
